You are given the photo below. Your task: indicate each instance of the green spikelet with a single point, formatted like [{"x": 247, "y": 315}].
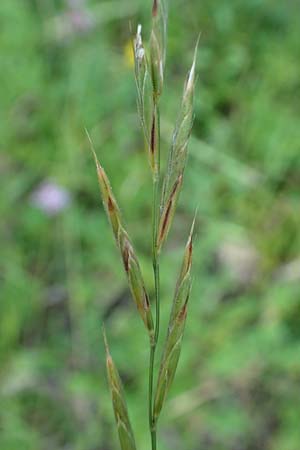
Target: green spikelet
[
  {"x": 135, "y": 279},
  {"x": 177, "y": 156},
  {"x": 168, "y": 212},
  {"x": 176, "y": 326},
  {"x": 149, "y": 74},
  {"x": 158, "y": 46},
  {"x": 145, "y": 101},
  {"x": 124, "y": 428}
]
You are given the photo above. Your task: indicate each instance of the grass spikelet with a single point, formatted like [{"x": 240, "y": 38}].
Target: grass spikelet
[
  {"x": 144, "y": 88},
  {"x": 135, "y": 280},
  {"x": 168, "y": 213},
  {"x": 158, "y": 45},
  {"x": 184, "y": 280},
  {"x": 147, "y": 107},
  {"x": 176, "y": 326},
  {"x": 129, "y": 258},
  {"x": 108, "y": 199},
  {"x": 126, "y": 437},
  {"x": 178, "y": 151}
]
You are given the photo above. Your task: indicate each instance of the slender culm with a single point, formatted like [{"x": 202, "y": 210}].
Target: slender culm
[{"x": 149, "y": 76}]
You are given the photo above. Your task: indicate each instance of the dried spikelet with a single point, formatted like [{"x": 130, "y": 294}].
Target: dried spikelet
[
  {"x": 158, "y": 45},
  {"x": 130, "y": 261},
  {"x": 125, "y": 432},
  {"x": 176, "y": 326},
  {"x": 178, "y": 152}
]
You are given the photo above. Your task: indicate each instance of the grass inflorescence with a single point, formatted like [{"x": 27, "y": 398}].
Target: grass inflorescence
[{"x": 149, "y": 74}]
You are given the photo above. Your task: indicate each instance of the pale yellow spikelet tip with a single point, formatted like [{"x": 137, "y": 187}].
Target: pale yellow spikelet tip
[
  {"x": 105, "y": 341},
  {"x": 190, "y": 238},
  {"x": 92, "y": 148},
  {"x": 191, "y": 77},
  {"x": 194, "y": 221}
]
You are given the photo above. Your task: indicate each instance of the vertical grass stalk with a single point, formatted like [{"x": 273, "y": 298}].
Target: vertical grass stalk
[{"x": 155, "y": 263}]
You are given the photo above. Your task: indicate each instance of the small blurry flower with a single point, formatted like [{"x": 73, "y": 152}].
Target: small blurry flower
[
  {"x": 128, "y": 54},
  {"x": 50, "y": 198},
  {"x": 75, "y": 21},
  {"x": 80, "y": 20},
  {"x": 78, "y": 15}
]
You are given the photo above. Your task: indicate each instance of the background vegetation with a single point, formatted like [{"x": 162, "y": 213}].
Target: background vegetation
[{"x": 66, "y": 65}]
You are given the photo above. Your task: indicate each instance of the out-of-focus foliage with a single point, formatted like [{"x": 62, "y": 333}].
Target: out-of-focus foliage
[{"x": 66, "y": 65}]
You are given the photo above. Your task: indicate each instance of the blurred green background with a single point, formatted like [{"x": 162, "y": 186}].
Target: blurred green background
[{"x": 66, "y": 65}]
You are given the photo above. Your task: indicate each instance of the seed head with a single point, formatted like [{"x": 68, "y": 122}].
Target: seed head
[
  {"x": 129, "y": 258},
  {"x": 168, "y": 213},
  {"x": 135, "y": 280},
  {"x": 158, "y": 46},
  {"x": 176, "y": 326},
  {"x": 156, "y": 59},
  {"x": 125, "y": 432},
  {"x": 108, "y": 198},
  {"x": 179, "y": 149}
]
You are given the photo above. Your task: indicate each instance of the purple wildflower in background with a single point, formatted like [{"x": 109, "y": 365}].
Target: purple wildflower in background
[
  {"x": 74, "y": 21},
  {"x": 80, "y": 20},
  {"x": 50, "y": 198}
]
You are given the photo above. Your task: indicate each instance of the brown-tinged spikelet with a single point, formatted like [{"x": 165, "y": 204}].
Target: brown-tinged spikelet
[
  {"x": 168, "y": 212},
  {"x": 135, "y": 280},
  {"x": 177, "y": 156},
  {"x": 130, "y": 261},
  {"x": 149, "y": 79},
  {"x": 124, "y": 428},
  {"x": 176, "y": 326}
]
